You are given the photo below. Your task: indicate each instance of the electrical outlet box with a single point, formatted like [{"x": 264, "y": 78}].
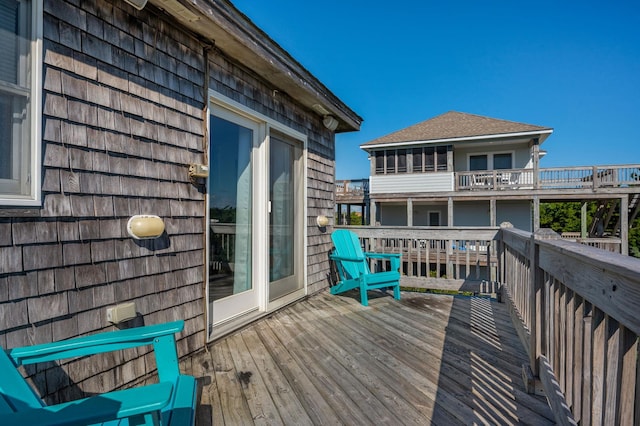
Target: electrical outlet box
[{"x": 121, "y": 313}]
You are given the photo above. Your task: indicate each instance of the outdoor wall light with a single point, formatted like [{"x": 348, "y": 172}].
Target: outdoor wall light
[
  {"x": 145, "y": 226},
  {"x": 138, "y": 4},
  {"x": 322, "y": 221},
  {"x": 330, "y": 122}
]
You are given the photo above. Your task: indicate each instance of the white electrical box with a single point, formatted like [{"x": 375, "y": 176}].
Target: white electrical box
[{"x": 121, "y": 313}]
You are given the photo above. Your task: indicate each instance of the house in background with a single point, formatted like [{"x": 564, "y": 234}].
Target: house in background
[
  {"x": 461, "y": 169},
  {"x": 105, "y": 108}
]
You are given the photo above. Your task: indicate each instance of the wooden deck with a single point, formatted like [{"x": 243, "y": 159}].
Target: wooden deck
[{"x": 427, "y": 359}]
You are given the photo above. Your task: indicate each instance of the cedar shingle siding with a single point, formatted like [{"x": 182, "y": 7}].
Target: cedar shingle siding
[{"x": 122, "y": 117}]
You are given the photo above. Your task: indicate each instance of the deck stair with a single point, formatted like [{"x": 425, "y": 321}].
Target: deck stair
[{"x": 602, "y": 220}]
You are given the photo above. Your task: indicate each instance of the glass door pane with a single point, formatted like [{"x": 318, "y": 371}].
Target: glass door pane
[
  {"x": 285, "y": 232},
  {"x": 231, "y": 287}
]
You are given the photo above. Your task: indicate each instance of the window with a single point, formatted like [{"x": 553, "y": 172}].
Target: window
[
  {"x": 20, "y": 63},
  {"x": 434, "y": 218},
  {"x": 441, "y": 160},
  {"x": 429, "y": 159},
  {"x": 391, "y": 161},
  {"x": 402, "y": 160},
  {"x": 417, "y": 159},
  {"x": 478, "y": 162},
  {"x": 379, "y": 156},
  {"x": 502, "y": 161},
  {"x": 491, "y": 161}
]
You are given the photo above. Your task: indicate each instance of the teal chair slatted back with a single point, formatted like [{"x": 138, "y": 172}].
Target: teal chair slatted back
[{"x": 347, "y": 244}]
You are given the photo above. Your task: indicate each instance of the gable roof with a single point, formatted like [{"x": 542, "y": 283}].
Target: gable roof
[{"x": 455, "y": 125}]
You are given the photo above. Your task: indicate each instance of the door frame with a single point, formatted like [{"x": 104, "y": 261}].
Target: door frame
[{"x": 260, "y": 222}]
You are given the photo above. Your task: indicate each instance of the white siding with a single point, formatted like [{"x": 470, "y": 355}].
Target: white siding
[{"x": 411, "y": 182}]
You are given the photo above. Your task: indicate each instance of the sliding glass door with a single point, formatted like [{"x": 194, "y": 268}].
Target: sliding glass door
[{"x": 257, "y": 216}]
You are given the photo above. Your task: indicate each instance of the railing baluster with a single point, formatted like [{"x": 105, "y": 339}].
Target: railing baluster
[
  {"x": 629, "y": 392},
  {"x": 613, "y": 367},
  {"x": 587, "y": 364},
  {"x": 578, "y": 319},
  {"x": 598, "y": 376}
]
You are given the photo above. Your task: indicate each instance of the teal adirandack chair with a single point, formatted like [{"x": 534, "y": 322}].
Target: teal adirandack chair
[
  {"x": 353, "y": 267},
  {"x": 171, "y": 401}
]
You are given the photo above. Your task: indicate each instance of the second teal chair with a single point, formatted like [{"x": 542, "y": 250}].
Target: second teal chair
[{"x": 353, "y": 267}]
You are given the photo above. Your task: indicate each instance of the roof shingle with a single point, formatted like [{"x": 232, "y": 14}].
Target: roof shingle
[{"x": 453, "y": 125}]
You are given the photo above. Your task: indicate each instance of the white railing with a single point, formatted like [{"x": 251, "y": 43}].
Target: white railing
[{"x": 592, "y": 177}]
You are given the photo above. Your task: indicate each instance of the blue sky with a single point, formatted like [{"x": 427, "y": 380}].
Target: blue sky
[{"x": 570, "y": 65}]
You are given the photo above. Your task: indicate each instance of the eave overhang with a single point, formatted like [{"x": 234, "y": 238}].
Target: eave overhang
[{"x": 233, "y": 33}]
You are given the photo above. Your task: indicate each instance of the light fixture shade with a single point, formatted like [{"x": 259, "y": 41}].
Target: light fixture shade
[
  {"x": 138, "y": 4},
  {"x": 145, "y": 226},
  {"x": 322, "y": 221},
  {"x": 330, "y": 122}
]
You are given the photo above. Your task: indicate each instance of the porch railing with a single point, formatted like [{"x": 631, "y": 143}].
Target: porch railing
[
  {"x": 592, "y": 177},
  {"x": 576, "y": 309},
  {"x": 461, "y": 258},
  {"x": 358, "y": 187}
]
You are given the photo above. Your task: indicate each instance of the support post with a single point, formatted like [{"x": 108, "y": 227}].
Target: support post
[
  {"x": 535, "y": 153},
  {"x": 450, "y": 212},
  {"x": 583, "y": 220},
  {"x": 536, "y": 213},
  {"x": 409, "y": 211},
  {"x": 624, "y": 225},
  {"x": 492, "y": 211},
  {"x": 372, "y": 212}
]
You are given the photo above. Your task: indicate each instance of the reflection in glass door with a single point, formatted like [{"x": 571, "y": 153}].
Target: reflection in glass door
[
  {"x": 285, "y": 219},
  {"x": 231, "y": 289}
]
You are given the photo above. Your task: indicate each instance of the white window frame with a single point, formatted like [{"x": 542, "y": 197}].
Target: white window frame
[
  {"x": 30, "y": 168},
  {"x": 490, "y": 158}
]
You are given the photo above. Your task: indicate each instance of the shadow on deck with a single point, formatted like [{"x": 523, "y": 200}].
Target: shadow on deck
[{"x": 427, "y": 359}]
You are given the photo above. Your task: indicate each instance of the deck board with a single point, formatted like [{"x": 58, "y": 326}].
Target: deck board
[{"x": 426, "y": 359}]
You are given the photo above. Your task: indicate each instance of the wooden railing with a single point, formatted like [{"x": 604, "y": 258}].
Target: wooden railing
[
  {"x": 352, "y": 187},
  {"x": 461, "y": 258},
  {"x": 593, "y": 177},
  {"x": 576, "y": 310},
  {"x": 605, "y": 243}
]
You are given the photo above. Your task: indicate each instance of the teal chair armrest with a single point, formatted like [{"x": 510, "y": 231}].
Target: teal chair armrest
[
  {"x": 161, "y": 336},
  {"x": 382, "y": 255},
  {"x": 347, "y": 258},
  {"x": 94, "y": 344},
  {"x": 148, "y": 400}
]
